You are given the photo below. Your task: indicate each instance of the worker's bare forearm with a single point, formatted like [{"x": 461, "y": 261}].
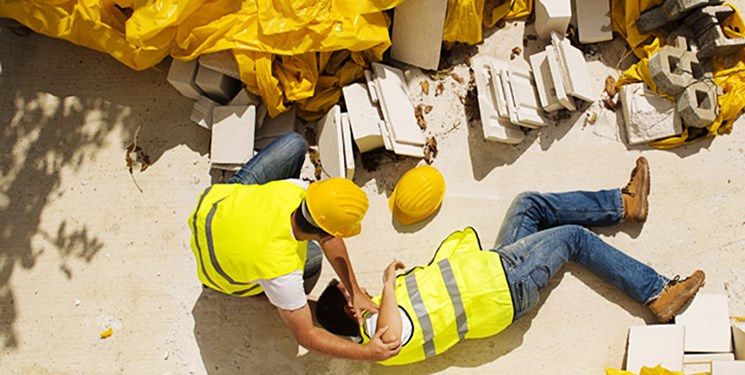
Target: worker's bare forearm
[
  {"x": 324, "y": 342},
  {"x": 388, "y": 313},
  {"x": 337, "y": 255}
]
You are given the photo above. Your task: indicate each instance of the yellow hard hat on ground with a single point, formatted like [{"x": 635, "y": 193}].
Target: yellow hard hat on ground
[
  {"x": 337, "y": 206},
  {"x": 417, "y": 195}
]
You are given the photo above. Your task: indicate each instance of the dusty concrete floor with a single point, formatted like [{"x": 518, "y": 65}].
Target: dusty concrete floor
[{"x": 82, "y": 249}]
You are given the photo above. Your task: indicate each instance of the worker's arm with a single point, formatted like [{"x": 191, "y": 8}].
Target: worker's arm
[
  {"x": 336, "y": 253},
  {"x": 322, "y": 341},
  {"x": 388, "y": 314}
]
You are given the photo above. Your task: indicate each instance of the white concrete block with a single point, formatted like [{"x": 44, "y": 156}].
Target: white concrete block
[
  {"x": 647, "y": 115},
  {"x": 372, "y": 87},
  {"x": 557, "y": 76},
  {"x": 496, "y": 127},
  {"x": 217, "y": 86},
  {"x": 222, "y": 62},
  {"x": 655, "y": 345},
  {"x": 543, "y": 82},
  {"x": 346, "y": 134},
  {"x": 593, "y": 20},
  {"x": 331, "y": 143},
  {"x": 552, "y": 15},
  {"x": 575, "y": 72},
  {"x": 274, "y": 127},
  {"x": 201, "y": 113},
  {"x": 232, "y": 135},
  {"x": 738, "y": 339},
  {"x": 706, "y": 322},
  {"x": 387, "y": 141},
  {"x": 524, "y": 100},
  {"x": 417, "y": 32},
  {"x": 397, "y": 107},
  {"x": 243, "y": 97},
  {"x": 399, "y": 147},
  {"x": 364, "y": 117},
  {"x": 181, "y": 76},
  {"x": 698, "y": 363},
  {"x": 728, "y": 367}
]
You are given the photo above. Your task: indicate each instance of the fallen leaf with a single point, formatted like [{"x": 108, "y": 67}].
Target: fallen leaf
[
  {"x": 135, "y": 157},
  {"x": 439, "y": 75},
  {"x": 609, "y": 103},
  {"x": 458, "y": 78},
  {"x": 592, "y": 117},
  {"x": 610, "y": 86},
  {"x": 107, "y": 333},
  {"x": 425, "y": 87},
  {"x": 439, "y": 89},
  {"x": 420, "y": 117},
  {"x": 430, "y": 149},
  {"x": 515, "y": 51},
  {"x": 427, "y": 109},
  {"x": 315, "y": 158}
]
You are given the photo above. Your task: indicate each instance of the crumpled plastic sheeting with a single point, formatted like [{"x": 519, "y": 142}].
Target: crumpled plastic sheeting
[
  {"x": 729, "y": 71},
  {"x": 659, "y": 370},
  {"x": 464, "y": 18},
  {"x": 283, "y": 47}
]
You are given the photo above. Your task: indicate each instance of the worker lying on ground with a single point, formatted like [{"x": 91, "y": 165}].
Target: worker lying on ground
[
  {"x": 256, "y": 234},
  {"x": 468, "y": 293}
]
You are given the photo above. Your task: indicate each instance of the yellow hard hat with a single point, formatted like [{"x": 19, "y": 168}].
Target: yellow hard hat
[
  {"x": 337, "y": 206},
  {"x": 417, "y": 195}
]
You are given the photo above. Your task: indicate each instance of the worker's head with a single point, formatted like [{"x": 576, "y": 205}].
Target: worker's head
[
  {"x": 417, "y": 195},
  {"x": 335, "y": 206},
  {"x": 334, "y": 313}
]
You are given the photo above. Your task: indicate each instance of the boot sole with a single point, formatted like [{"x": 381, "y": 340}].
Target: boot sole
[{"x": 645, "y": 203}]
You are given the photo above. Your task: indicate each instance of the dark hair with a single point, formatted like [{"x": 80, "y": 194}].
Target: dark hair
[
  {"x": 304, "y": 225},
  {"x": 330, "y": 312}
]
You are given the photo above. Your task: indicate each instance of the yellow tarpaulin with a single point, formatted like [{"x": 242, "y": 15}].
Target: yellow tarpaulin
[
  {"x": 729, "y": 71},
  {"x": 464, "y": 18}
]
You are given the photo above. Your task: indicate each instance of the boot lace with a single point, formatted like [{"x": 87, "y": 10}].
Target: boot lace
[
  {"x": 675, "y": 280},
  {"x": 627, "y": 189}
]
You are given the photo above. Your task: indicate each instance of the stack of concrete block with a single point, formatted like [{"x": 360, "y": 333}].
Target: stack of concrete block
[
  {"x": 335, "y": 144},
  {"x": 232, "y": 136},
  {"x": 215, "y": 85},
  {"x": 706, "y": 25},
  {"x": 417, "y": 32},
  {"x": 647, "y": 115},
  {"x": 668, "y": 12},
  {"x": 181, "y": 76},
  {"x": 222, "y": 62}
]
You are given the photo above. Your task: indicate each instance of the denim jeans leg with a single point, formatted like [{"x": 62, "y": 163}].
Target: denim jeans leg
[
  {"x": 312, "y": 269},
  {"x": 531, "y": 212},
  {"x": 532, "y": 261},
  {"x": 282, "y": 159}
]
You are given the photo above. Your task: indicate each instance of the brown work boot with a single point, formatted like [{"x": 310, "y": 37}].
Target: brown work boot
[
  {"x": 636, "y": 191},
  {"x": 677, "y": 294}
]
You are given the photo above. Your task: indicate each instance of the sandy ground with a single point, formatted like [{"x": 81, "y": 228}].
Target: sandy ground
[{"x": 82, "y": 249}]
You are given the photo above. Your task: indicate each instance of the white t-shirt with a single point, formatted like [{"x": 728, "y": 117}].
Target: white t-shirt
[
  {"x": 286, "y": 292},
  {"x": 407, "y": 327}
]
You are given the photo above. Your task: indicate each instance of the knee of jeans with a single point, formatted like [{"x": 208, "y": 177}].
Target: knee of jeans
[
  {"x": 296, "y": 144},
  {"x": 526, "y": 198}
]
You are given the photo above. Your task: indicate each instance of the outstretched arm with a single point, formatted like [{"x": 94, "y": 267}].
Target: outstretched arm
[
  {"x": 389, "y": 318},
  {"x": 320, "y": 340},
  {"x": 336, "y": 253}
]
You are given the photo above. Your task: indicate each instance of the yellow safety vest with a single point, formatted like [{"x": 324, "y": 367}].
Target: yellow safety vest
[
  {"x": 241, "y": 233},
  {"x": 462, "y": 293}
]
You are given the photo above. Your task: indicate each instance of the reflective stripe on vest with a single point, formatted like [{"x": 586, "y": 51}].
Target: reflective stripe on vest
[{"x": 196, "y": 240}]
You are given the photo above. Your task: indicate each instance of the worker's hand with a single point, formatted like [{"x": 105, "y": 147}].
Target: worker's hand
[
  {"x": 360, "y": 302},
  {"x": 379, "y": 350},
  {"x": 389, "y": 275}
]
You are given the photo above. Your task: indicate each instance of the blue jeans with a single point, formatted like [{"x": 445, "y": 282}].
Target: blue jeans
[
  {"x": 542, "y": 232},
  {"x": 282, "y": 159}
]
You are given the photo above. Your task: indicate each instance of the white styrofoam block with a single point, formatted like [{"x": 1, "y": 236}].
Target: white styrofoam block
[
  {"x": 274, "y": 127},
  {"x": 364, "y": 117},
  {"x": 201, "y": 113},
  {"x": 243, "y": 97},
  {"x": 647, "y": 115},
  {"x": 727, "y": 367},
  {"x": 232, "y": 134},
  {"x": 217, "y": 86},
  {"x": 655, "y": 345},
  {"x": 593, "y": 20},
  {"x": 543, "y": 82},
  {"x": 346, "y": 134},
  {"x": 222, "y": 62},
  {"x": 706, "y": 322},
  {"x": 552, "y": 15},
  {"x": 524, "y": 98},
  {"x": 399, "y": 148},
  {"x": 696, "y": 368},
  {"x": 697, "y": 363},
  {"x": 575, "y": 72},
  {"x": 398, "y": 110},
  {"x": 738, "y": 338},
  {"x": 557, "y": 76},
  {"x": 417, "y": 32},
  {"x": 496, "y": 128},
  {"x": 331, "y": 143},
  {"x": 372, "y": 87},
  {"x": 181, "y": 76}
]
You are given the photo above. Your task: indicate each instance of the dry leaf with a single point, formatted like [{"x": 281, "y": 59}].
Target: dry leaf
[
  {"x": 134, "y": 157},
  {"x": 441, "y": 74},
  {"x": 420, "y": 116},
  {"x": 427, "y": 109},
  {"x": 315, "y": 158},
  {"x": 592, "y": 117},
  {"x": 430, "y": 149},
  {"x": 457, "y": 78},
  {"x": 515, "y": 51},
  {"x": 425, "y": 87},
  {"x": 107, "y": 333},
  {"x": 439, "y": 89},
  {"x": 609, "y": 103},
  {"x": 610, "y": 86}
]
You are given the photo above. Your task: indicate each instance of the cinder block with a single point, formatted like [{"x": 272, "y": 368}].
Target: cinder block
[
  {"x": 495, "y": 127},
  {"x": 706, "y": 322},
  {"x": 655, "y": 345},
  {"x": 364, "y": 117},
  {"x": 727, "y": 367},
  {"x": 217, "y": 86},
  {"x": 346, "y": 135},
  {"x": 181, "y": 76},
  {"x": 398, "y": 111},
  {"x": 667, "y": 12},
  {"x": 243, "y": 97},
  {"x": 673, "y": 67},
  {"x": 552, "y": 15},
  {"x": 201, "y": 113},
  {"x": 593, "y": 21},
  {"x": 232, "y": 135},
  {"x": 647, "y": 115},
  {"x": 222, "y": 62},
  {"x": 417, "y": 32},
  {"x": 574, "y": 70},
  {"x": 331, "y": 143},
  {"x": 557, "y": 76},
  {"x": 738, "y": 339},
  {"x": 522, "y": 100},
  {"x": 706, "y": 23},
  {"x": 543, "y": 82},
  {"x": 274, "y": 127},
  {"x": 697, "y": 104}
]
